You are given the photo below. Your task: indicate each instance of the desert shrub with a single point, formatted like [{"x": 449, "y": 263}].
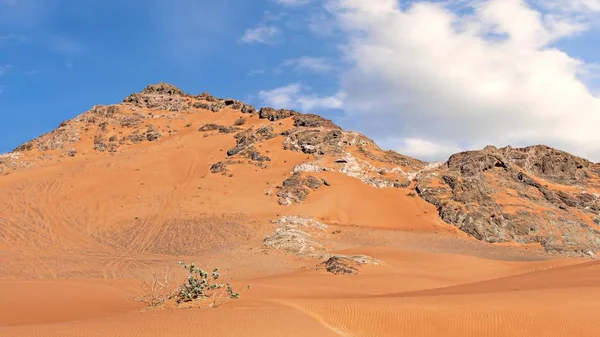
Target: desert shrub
[
  {"x": 198, "y": 286},
  {"x": 240, "y": 121},
  {"x": 156, "y": 290}
]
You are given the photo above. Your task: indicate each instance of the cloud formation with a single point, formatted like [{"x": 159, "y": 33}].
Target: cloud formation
[
  {"x": 312, "y": 64},
  {"x": 297, "y": 96},
  {"x": 265, "y": 34},
  {"x": 429, "y": 80}
]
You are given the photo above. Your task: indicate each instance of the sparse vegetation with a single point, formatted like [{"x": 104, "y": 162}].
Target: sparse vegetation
[
  {"x": 199, "y": 287},
  {"x": 240, "y": 121}
]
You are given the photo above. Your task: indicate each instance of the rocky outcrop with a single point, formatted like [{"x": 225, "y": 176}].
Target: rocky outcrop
[
  {"x": 345, "y": 264},
  {"x": 160, "y": 96},
  {"x": 313, "y": 121},
  {"x": 275, "y": 115},
  {"x": 296, "y": 188},
  {"x": 551, "y": 164},
  {"x": 247, "y": 139},
  {"x": 163, "y": 89},
  {"x": 293, "y": 235},
  {"x": 501, "y": 195}
]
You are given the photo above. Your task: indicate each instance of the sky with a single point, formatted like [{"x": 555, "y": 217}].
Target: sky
[{"x": 424, "y": 78}]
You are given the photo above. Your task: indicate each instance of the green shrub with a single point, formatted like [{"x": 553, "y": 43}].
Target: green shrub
[{"x": 199, "y": 284}]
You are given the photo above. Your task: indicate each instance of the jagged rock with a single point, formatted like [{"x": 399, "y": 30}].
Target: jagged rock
[
  {"x": 248, "y": 109},
  {"x": 469, "y": 190},
  {"x": 164, "y": 89},
  {"x": 550, "y": 164},
  {"x": 217, "y": 106},
  {"x": 274, "y": 115},
  {"x": 220, "y": 167},
  {"x": 162, "y": 96},
  {"x": 337, "y": 266},
  {"x": 247, "y": 138},
  {"x": 104, "y": 111},
  {"x": 313, "y": 183},
  {"x": 130, "y": 121},
  {"x": 313, "y": 121},
  {"x": 207, "y": 97},
  {"x": 99, "y": 143},
  {"x": 136, "y": 138},
  {"x": 24, "y": 147},
  {"x": 343, "y": 264},
  {"x": 322, "y": 141},
  {"x": 296, "y": 188},
  {"x": 152, "y": 134},
  {"x": 252, "y": 154}
]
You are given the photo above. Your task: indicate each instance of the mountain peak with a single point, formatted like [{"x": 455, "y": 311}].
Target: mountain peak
[{"x": 492, "y": 194}]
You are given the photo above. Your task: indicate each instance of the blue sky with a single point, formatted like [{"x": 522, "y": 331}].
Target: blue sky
[{"x": 426, "y": 78}]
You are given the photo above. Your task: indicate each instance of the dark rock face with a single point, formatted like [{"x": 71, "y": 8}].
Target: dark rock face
[
  {"x": 551, "y": 164},
  {"x": 130, "y": 121},
  {"x": 337, "y": 265},
  {"x": 296, "y": 188},
  {"x": 313, "y": 121},
  {"x": 499, "y": 196},
  {"x": 161, "y": 96},
  {"x": 315, "y": 141},
  {"x": 163, "y": 89},
  {"x": 275, "y": 115},
  {"x": 207, "y": 97},
  {"x": 99, "y": 143},
  {"x": 247, "y": 138},
  {"x": 24, "y": 148},
  {"x": 152, "y": 134},
  {"x": 220, "y": 167},
  {"x": 157, "y": 102}
]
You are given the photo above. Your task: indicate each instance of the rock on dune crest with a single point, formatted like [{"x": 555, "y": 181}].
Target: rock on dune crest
[{"x": 530, "y": 195}]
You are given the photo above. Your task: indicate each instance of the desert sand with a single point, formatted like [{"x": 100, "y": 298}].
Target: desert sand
[{"x": 79, "y": 235}]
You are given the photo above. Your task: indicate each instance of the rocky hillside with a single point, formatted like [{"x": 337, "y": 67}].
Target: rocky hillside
[{"x": 532, "y": 195}]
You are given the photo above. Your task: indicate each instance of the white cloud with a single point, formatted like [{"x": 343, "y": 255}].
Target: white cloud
[
  {"x": 436, "y": 81},
  {"x": 422, "y": 148},
  {"x": 296, "y": 96},
  {"x": 571, "y": 5},
  {"x": 265, "y": 34},
  {"x": 314, "y": 64}
]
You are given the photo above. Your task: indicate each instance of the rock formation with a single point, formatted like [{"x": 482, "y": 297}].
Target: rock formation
[{"x": 530, "y": 195}]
